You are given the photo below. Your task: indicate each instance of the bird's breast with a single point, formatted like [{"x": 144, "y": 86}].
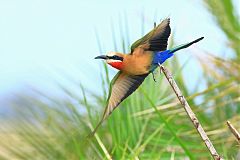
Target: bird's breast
[{"x": 138, "y": 64}]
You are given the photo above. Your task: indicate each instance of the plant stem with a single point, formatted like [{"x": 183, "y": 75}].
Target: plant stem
[
  {"x": 234, "y": 131},
  {"x": 108, "y": 156},
  {"x": 190, "y": 113}
]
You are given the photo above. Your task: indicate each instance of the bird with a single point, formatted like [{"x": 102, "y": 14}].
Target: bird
[{"x": 147, "y": 53}]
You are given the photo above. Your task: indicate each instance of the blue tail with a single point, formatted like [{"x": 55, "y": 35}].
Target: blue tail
[
  {"x": 161, "y": 56},
  {"x": 175, "y": 49}
]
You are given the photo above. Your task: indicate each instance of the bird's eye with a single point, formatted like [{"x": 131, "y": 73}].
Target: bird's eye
[{"x": 114, "y": 57}]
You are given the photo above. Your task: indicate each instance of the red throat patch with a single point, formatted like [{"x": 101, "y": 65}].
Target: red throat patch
[{"x": 117, "y": 65}]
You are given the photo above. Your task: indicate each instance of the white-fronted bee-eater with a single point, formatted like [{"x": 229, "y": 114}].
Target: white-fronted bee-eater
[{"x": 146, "y": 55}]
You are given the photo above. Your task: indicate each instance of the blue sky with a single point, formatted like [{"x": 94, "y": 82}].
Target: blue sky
[{"x": 43, "y": 40}]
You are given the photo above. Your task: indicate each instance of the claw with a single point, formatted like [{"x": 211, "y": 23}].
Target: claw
[{"x": 154, "y": 77}]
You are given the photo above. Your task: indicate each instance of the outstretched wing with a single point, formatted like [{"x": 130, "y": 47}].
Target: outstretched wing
[
  {"x": 121, "y": 87},
  {"x": 155, "y": 40}
]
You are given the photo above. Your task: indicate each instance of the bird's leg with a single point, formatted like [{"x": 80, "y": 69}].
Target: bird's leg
[
  {"x": 154, "y": 77},
  {"x": 160, "y": 67}
]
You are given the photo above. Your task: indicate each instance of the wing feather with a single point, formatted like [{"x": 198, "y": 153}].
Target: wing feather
[
  {"x": 121, "y": 87},
  {"x": 155, "y": 40}
]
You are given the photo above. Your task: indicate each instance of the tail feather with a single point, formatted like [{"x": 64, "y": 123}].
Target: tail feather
[{"x": 185, "y": 45}]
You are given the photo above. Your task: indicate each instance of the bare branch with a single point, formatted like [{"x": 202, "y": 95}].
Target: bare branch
[
  {"x": 234, "y": 131},
  {"x": 190, "y": 113}
]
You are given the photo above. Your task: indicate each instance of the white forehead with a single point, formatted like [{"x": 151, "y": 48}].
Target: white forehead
[{"x": 111, "y": 53}]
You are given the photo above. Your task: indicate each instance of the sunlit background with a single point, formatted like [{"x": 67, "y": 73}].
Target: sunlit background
[
  {"x": 47, "y": 44},
  {"x": 40, "y": 40}
]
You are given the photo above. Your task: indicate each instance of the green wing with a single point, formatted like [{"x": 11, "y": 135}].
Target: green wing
[
  {"x": 155, "y": 40},
  {"x": 121, "y": 87}
]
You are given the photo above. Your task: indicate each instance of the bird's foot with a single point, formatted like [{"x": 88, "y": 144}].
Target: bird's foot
[{"x": 154, "y": 77}]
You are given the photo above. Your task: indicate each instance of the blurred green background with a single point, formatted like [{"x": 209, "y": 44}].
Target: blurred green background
[{"x": 52, "y": 91}]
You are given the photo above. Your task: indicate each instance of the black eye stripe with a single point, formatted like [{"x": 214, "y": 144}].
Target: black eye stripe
[{"x": 115, "y": 57}]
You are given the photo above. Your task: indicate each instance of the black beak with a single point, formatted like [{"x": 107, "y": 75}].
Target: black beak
[{"x": 101, "y": 57}]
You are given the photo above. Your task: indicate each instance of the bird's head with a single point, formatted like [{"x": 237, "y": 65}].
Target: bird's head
[{"x": 114, "y": 59}]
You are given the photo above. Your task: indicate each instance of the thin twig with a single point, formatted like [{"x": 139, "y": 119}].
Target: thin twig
[
  {"x": 190, "y": 113},
  {"x": 234, "y": 131}
]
